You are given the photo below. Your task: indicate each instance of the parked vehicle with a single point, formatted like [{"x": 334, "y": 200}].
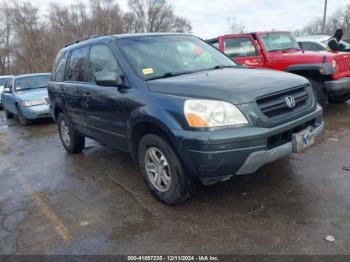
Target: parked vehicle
[
  {"x": 328, "y": 72},
  {"x": 181, "y": 108},
  {"x": 26, "y": 96},
  {"x": 3, "y": 80},
  {"x": 347, "y": 40},
  {"x": 319, "y": 43}
]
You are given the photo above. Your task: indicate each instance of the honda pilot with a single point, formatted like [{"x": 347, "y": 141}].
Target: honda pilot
[{"x": 183, "y": 109}]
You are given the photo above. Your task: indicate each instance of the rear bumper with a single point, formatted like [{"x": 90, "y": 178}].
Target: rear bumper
[
  {"x": 341, "y": 85},
  {"x": 36, "y": 112},
  {"x": 217, "y": 155}
]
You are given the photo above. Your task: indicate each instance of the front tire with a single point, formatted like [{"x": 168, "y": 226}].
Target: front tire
[
  {"x": 71, "y": 141},
  {"x": 162, "y": 170},
  {"x": 320, "y": 92},
  {"x": 22, "y": 119},
  {"x": 7, "y": 113}
]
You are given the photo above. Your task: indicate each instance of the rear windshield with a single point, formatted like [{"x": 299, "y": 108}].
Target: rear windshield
[
  {"x": 3, "y": 81},
  {"x": 32, "y": 82},
  {"x": 154, "y": 56}
]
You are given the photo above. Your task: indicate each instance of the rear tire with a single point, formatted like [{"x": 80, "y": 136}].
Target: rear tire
[
  {"x": 339, "y": 99},
  {"x": 71, "y": 141},
  {"x": 320, "y": 92},
  {"x": 22, "y": 119},
  {"x": 163, "y": 171}
]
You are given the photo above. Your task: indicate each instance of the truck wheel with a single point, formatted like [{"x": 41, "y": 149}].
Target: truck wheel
[
  {"x": 22, "y": 119},
  {"x": 339, "y": 99},
  {"x": 8, "y": 114},
  {"x": 162, "y": 170},
  {"x": 320, "y": 92},
  {"x": 71, "y": 141}
]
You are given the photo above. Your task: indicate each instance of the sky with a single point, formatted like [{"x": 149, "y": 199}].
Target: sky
[{"x": 209, "y": 18}]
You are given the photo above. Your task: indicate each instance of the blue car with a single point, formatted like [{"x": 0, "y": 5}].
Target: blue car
[
  {"x": 26, "y": 96},
  {"x": 3, "y": 80}
]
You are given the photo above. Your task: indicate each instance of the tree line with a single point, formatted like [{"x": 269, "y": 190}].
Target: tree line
[
  {"x": 340, "y": 19},
  {"x": 31, "y": 38}
]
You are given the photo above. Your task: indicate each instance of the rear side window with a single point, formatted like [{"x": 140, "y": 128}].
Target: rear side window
[
  {"x": 101, "y": 59},
  {"x": 59, "y": 66},
  {"x": 76, "y": 66},
  {"x": 239, "y": 47}
]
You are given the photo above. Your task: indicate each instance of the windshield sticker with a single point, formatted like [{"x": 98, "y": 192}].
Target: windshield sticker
[{"x": 147, "y": 71}]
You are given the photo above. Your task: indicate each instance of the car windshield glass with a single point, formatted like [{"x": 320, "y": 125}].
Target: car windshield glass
[
  {"x": 153, "y": 57},
  {"x": 32, "y": 82},
  {"x": 3, "y": 81},
  {"x": 276, "y": 41}
]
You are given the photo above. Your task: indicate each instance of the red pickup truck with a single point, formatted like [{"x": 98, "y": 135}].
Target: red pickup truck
[{"x": 328, "y": 72}]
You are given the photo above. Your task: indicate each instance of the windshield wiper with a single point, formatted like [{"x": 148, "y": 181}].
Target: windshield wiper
[
  {"x": 30, "y": 88},
  {"x": 168, "y": 74},
  {"x": 222, "y": 66}
]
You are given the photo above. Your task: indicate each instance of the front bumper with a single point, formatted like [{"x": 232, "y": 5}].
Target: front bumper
[
  {"x": 36, "y": 112},
  {"x": 341, "y": 85},
  {"x": 215, "y": 156},
  {"x": 262, "y": 157}
]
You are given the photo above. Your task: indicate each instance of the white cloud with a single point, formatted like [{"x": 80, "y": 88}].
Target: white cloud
[{"x": 209, "y": 17}]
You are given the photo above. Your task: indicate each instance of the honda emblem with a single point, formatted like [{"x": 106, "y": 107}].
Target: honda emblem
[{"x": 290, "y": 101}]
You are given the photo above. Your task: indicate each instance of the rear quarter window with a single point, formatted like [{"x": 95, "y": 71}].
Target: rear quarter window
[
  {"x": 59, "y": 67},
  {"x": 76, "y": 70}
]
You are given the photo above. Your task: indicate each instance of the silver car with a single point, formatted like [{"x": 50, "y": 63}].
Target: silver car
[{"x": 319, "y": 43}]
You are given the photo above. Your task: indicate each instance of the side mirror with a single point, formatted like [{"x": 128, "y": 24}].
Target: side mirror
[
  {"x": 6, "y": 90},
  {"x": 107, "y": 78}
]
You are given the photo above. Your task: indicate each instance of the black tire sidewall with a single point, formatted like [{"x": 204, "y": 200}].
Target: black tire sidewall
[
  {"x": 180, "y": 181},
  {"x": 320, "y": 92},
  {"x": 77, "y": 143},
  {"x": 339, "y": 99}
]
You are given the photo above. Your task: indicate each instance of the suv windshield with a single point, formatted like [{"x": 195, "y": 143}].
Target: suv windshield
[
  {"x": 32, "y": 82},
  {"x": 279, "y": 41},
  {"x": 153, "y": 57}
]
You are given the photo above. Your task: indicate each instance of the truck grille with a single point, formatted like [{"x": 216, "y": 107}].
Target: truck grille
[
  {"x": 343, "y": 63},
  {"x": 275, "y": 106}
]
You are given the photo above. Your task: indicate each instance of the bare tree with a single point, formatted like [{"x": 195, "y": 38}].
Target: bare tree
[
  {"x": 155, "y": 16},
  {"x": 6, "y": 17},
  {"x": 235, "y": 26}
]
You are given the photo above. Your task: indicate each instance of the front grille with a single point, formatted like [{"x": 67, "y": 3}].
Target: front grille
[
  {"x": 343, "y": 63},
  {"x": 274, "y": 106}
]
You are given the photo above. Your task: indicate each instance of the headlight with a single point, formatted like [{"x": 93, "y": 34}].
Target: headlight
[
  {"x": 34, "y": 102},
  {"x": 334, "y": 64},
  {"x": 212, "y": 113}
]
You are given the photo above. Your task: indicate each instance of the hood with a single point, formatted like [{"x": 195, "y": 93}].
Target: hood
[
  {"x": 235, "y": 85},
  {"x": 32, "y": 94},
  {"x": 306, "y": 57}
]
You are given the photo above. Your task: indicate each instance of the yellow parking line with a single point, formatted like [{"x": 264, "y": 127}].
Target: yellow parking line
[{"x": 58, "y": 226}]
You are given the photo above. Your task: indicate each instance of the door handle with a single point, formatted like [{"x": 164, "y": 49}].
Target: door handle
[{"x": 86, "y": 94}]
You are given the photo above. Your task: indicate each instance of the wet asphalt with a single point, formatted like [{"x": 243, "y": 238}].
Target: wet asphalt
[{"x": 97, "y": 203}]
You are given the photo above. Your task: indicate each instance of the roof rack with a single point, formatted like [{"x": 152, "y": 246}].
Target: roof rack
[{"x": 81, "y": 40}]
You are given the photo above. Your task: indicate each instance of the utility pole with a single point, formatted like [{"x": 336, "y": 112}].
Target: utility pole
[{"x": 324, "y": 17}]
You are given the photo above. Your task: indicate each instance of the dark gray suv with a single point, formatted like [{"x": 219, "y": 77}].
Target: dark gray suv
[{"x": 182, "y": 109}]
